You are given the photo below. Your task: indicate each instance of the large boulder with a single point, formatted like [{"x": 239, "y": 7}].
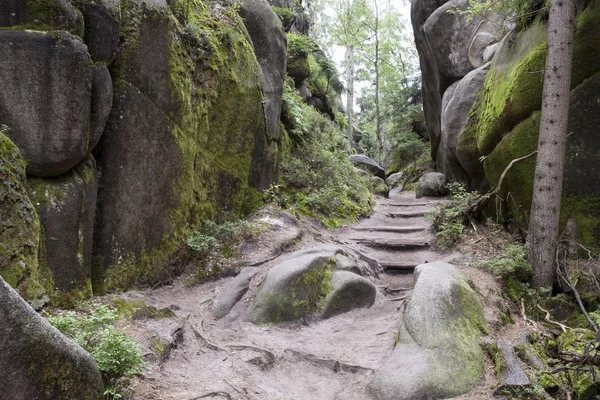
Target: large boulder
[
  {"x": 432, "y": 184},
  {"x": 19, "y": 227},
  {"x": 46, "y": 15},
  {"x": 379, "y": 187},
  {"x": 440, "y": 330},
  {"x": 395, "y": 179},
  {"x": 233, "y": 291},
  {"x": 456, "y": 107},
  {"x": 37, "y": 361},
  {"x": 269, "y": 42},
  {"x": 173, "y": 155},
  {"x": 303, "y": 285},
  {"x": 48, "y": 106},
  {"x": 67, "y": 206},
  {"x": 368, "y": 164}
]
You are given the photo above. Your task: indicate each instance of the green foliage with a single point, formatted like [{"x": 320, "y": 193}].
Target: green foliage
[
  {"x": 449, "y": 219},
  {"x": 286, "y": 16},
  {"x": 317, "y": 177},
  {"x": 300, "y": 44},
  {"x": 117, "y": 355},
  {"x": 202, "y": 244},
  {"x": 512, "y": 263},
  {"x": 523, "y": 11},
  {"x": 213, "y": 236}
]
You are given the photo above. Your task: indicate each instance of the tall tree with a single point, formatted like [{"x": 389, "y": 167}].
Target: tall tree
[{"x": 547, "y": 185}]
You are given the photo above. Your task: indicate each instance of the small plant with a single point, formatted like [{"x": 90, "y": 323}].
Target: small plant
[
  {"x": 117, "y": 355},
  {"x": 202, "y": 244},
  {"x": 512, "y": 263},
  {"x": 449, "y": 219}
]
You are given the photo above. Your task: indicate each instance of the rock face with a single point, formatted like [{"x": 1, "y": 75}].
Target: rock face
[
  {"x": 37, "y": 361},
  {"x": 48, "y": 107},
  {"x": 308, "y": 283},
  {"x": 450, "y": 46},
  {"x": 440, "y": 331},
  {"x": 182, "y": 118},
  {"x": 66, "y": 205},
  {"x": 368, "y": 164},
  {"x": 19, "y": 227},
  {"x": 432, "y": 184}
]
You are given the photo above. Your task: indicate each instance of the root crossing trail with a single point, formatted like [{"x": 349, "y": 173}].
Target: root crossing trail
[{"x": 232, "y": 358}]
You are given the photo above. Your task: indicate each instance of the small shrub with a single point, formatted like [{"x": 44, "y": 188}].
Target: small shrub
[
  {"x": 449, "y": 219},
  {"x": 116, "y": 354},
  {"x": 512, "y": 263},
  {"x": 202, "y": 244},
  {"x": 300, "y": 44}
]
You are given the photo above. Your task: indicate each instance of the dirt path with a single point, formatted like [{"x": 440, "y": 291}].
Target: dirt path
[{"x": 232, "y": 358}]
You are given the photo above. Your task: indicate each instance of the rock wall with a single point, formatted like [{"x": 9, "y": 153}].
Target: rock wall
[
  {"x": 137, "y": 120},
  {"x": 492, "y": 114}
]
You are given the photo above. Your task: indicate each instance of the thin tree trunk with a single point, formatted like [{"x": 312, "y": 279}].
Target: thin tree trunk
[
  {"x": 547, "y": 186},
  {"x": 350, "y": 95},
  {"x": 378, "y": 131}
]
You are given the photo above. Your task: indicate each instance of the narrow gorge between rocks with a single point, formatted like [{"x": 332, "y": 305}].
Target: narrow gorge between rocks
[{"x": 299, "y": 200}]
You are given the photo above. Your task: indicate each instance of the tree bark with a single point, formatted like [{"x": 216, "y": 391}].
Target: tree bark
[
  {"x": 548, "y": 178},
  {"x": 378, "y": 130}
]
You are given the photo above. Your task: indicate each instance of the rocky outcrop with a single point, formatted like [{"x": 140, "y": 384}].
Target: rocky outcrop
[
  {"x": 309, "y": 283},
  {"x": 432, "y": 184},
  {"x": 233, "y": 291},
  {"x": 368, "y": 164},
  {"x": 440, "y": 330},
  {"x": 20, "y": 244},
  {"x": 37, "y": 361},
  {"x": 450, "y": 45},
  {"x": 48, "y": 107},
  {"x": 179, "y": 104}
]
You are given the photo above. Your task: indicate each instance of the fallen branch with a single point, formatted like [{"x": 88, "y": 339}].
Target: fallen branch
[
  {"x": 524, "y": 315},
  {"x": 565, "y": 279}
]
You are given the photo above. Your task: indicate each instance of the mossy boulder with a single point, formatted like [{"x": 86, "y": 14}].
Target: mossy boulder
[
  {"x": 303, "y": 285},
  {"x": 48, "y": 106},
  {"x": 440, "y": 330},
  {"x": 432, "y": 184},
  {"x": 101, "y": 103},
  {"x": 379, "y": 187},
  {"x": 102, "y": 19},
  {"x": 41, "y": 15},
  {"x": 20, "y": 242},
  {"x": 37, "y": 361},
  {"x": 67, "y": 206},
  {"x": 367, "y": 164},
  {"x": 187, "y": 138}
]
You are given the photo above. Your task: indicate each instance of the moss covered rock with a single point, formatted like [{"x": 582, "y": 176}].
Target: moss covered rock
[
  {"x": 304, "y": 285},
  {"x": 186, "y": 139},
  {"x": 67, "y": 205},
  {"x": 41, "y": 15},
  {"x": 440, "y": 331},
  {"x": 20, "y": 244},
  {"x": 37, "y": 361}
]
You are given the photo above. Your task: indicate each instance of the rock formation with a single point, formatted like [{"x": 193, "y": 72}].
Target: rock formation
[{"x": 137, "y": 120}]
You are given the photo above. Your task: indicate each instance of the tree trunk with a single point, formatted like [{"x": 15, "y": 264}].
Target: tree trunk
[
  {"x": 378, "y": 131},
  {"x": 350, "y": 95},
  {"x": 547, "y": 185}
]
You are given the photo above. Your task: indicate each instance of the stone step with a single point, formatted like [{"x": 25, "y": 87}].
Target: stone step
[
  {"x": 407, "y": 214},
  {"x": 395, "y": 229},
  {"x": 393, "y": 244},
  {"x": 390, "y": 266},
  {"x": 408, "y": 204}
]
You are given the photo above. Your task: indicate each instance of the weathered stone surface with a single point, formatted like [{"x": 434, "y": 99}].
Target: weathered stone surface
[
  {"x": 268, "y": 40},
  {"x": 449, "y": 36},
  {"x": 432, "y": 184},
  {"x": 102, "y": 20},
  {"x": 480, "y": 42},
  {"x": 440, "y": 331},
  {"x": 102, "y": 98},
  {"x": 48, "y": 106},
  {"x": 511, "y": 376},
  {"x": 379, "y": 187},
  {"x": 67, "y": 206},
  {"x": 19, "y": 227},
  {"x": 368, "y": 164},
  {"x": 233, "y": 291},
  {"x": 348, "y": 291},
  {"x": 41, "y": 15},
  {"x": 395, "y": 179},
  {"x": 456, "y": 106},
  {"x": 37, "y": 361},
  {"x": 299, "y": 286}
]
